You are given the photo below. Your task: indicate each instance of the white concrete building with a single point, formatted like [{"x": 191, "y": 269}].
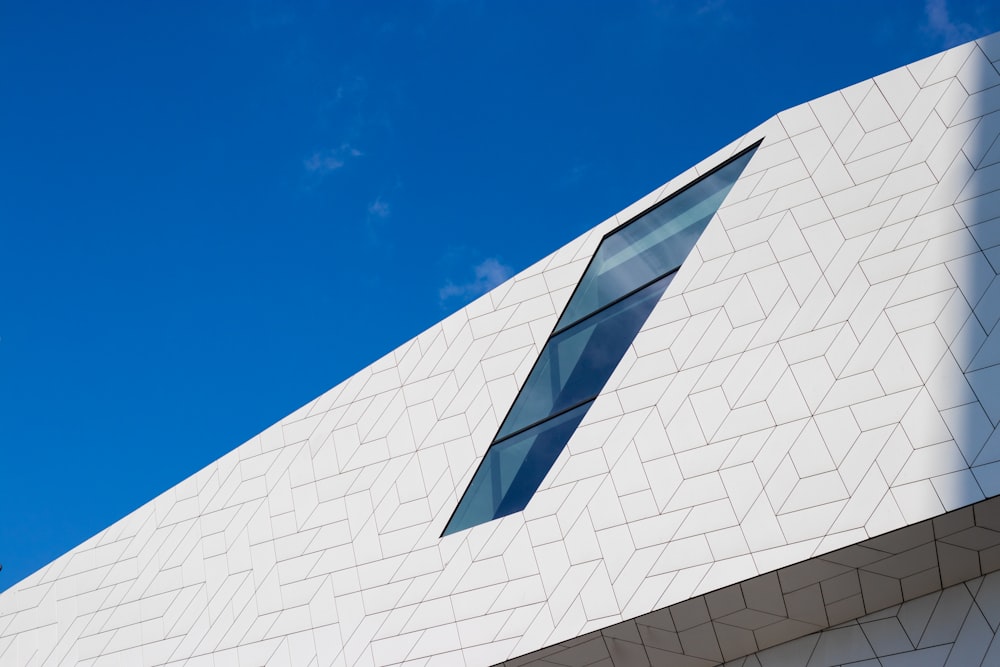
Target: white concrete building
[{"x": 756, "y": 426}]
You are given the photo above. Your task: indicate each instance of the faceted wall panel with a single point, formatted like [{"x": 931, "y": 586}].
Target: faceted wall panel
[
  {"x": 823, "y": 370},
  {"x": 956, "y": 627},
  {"x": 773, "y": 609}
]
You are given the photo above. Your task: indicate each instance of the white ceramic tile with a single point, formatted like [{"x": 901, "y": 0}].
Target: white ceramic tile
[
  {"x": 785, "y": 402},
  {"x": 790, "y": 196},
  {"x": 811, "y": 146},
  {"x": 798, "y": 119},
  {"x": 917, "y": 501},
  {"x": 833, "y": 113}
]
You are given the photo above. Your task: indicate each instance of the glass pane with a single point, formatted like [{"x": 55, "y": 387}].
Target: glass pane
[
  {"x": 589, "y": 342},
  {"x": 512, "y": 470},
  {"x": 651, "y": 245},
  {"x": 576, "y": 363}
]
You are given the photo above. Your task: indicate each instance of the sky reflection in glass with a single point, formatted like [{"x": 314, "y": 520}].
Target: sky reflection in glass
[
  {"x": 512, "y": 470},
  {"x": 658, "y": 241},
  {"x": 576, "y": 362},
  {"x": 623, "y": 283}
]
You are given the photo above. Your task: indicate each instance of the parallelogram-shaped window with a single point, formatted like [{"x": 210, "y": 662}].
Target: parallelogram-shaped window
[{"x": 628, "y": 274}]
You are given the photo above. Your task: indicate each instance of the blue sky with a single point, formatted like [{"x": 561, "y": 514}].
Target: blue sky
[{"x": 210, "y": 213}]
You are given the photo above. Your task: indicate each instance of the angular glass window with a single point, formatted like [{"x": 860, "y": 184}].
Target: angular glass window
[
  {"x": 658, "y": 241},
  {"x": 629, "y": 273},
  {"x": 512, "y": 470},
  {"x": 576, "y": 362}
]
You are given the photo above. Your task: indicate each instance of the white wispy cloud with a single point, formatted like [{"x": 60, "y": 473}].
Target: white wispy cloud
[
  {"x": 328, "y": 160},
  {"x": 486, "y": 275},
  {"x": 322, "y": 162},
  {"x": 575, "y": 175},
  {"x": 379, "y": 208},
  {"x": 941, "y": 25}
]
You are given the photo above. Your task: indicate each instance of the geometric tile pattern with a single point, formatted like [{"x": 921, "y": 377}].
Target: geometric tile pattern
[
  {"x": 802, "y": 599},
  {"x": 824, "y": 369},
  {"x": 955, "y": 627}
]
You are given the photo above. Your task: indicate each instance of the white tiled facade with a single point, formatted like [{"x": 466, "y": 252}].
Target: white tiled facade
[
  {"x": 824, "y": 370},
  {"x": 957, "y": 626}
]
